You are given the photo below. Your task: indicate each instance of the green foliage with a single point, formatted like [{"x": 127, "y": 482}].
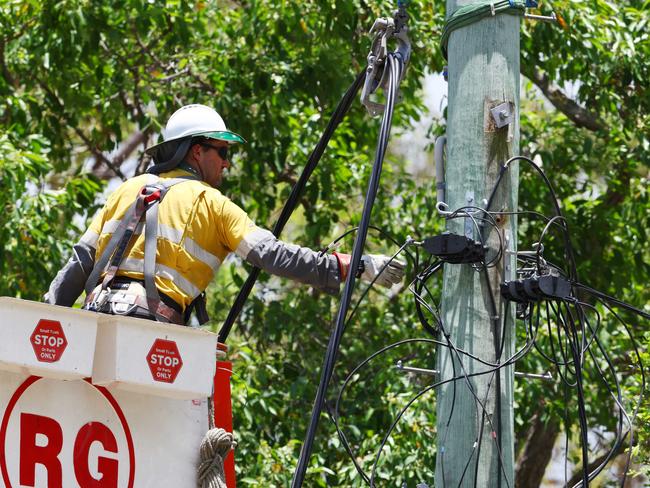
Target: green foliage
[
  {"x": 36, "y": 222},
  {"x": 79, "y": 78}
]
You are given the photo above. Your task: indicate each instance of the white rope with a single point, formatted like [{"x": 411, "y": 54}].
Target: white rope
[{"x": 216, "y": 444}]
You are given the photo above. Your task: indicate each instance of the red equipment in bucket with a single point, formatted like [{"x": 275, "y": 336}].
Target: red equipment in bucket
[{"x": 223, "y": 409}]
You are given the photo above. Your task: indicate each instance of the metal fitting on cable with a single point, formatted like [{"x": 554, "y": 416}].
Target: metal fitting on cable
[
  {"x": 376, "y": 73},
  {"x": 439, "y": 161}
]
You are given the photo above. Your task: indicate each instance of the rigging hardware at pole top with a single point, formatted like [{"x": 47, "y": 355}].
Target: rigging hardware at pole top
[{"x": 376, "y": 74}]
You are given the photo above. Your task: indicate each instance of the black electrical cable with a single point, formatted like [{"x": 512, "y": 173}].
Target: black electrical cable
[
  {"x": 618, "y": 399},
  {"x": 576, "y": 354},
  {"x": 464, "y": 212},
  {"x": 292, "y": 202},
  {"x": 470, "y": 388},
  {"x": 416, "y": 288},
  {"x": 567, "y": 248},
  {"x": 385, "y": 349},
  {"x": 394, "y": 65},
  {"x": 615, "y": 301},
  {"x": 379, "y": 230},
  {"x": 642, "y": 392},
  {"x": 337, "y": 406},
  {"x": 576, "y": 338},
  {"x": 369, "y": 286},
  {"x": 454, "y": 379},
  {"x": 498, "y": 338}
]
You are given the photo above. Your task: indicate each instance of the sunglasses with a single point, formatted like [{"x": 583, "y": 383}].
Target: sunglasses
[{"x": 222, "y": 150}]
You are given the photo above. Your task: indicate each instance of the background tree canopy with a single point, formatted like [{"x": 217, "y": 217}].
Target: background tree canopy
[{"x": 86, "y": 85}]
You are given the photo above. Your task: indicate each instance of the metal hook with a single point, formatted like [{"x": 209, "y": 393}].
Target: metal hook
[{"x": 376, "y": 72}]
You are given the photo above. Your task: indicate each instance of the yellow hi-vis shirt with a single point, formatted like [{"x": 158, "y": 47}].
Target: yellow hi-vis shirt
[{"x": 197, "y": 228}]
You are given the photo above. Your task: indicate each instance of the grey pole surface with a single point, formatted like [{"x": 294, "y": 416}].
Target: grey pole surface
[{"x": 483, "y": 73}]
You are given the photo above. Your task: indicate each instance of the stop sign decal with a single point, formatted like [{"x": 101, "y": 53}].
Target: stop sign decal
[
  {"x": 164, "y": 360},
  {"x": 48, "y": 340}
]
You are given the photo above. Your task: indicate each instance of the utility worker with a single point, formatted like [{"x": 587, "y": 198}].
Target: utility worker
[{"x": 155, "y": 246}]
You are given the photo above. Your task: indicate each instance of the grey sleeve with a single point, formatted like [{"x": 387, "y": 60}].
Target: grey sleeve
[
  {"x": 69, "y": 282},
  {"x": 262, "y": 249}
]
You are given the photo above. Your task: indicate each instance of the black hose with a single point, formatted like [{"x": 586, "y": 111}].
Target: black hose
[{"x": 292, "y": 202}]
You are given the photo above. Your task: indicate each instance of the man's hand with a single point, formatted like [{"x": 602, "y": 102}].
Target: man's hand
[{"x": 391, "y": 274}]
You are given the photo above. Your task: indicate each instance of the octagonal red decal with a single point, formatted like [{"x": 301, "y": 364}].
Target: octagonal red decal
[
  {"x": 164, "y": 360},
  {"x": 48, "y": 340}
]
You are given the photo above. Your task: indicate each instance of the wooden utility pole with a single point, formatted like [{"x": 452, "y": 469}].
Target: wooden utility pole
[{"x": 483, "y": 73}]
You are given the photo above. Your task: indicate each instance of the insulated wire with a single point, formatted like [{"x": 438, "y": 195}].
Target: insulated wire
[
  {"x": 575, "y": 335},
  {"x": 395, "y": 65},
  {"x": 293, "y": 200}
]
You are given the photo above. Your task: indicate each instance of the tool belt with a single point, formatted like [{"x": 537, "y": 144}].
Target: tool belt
[{"x": 129, "y": 297}]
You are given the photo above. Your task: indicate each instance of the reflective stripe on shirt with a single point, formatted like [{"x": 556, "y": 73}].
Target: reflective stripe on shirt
[
  {"x": 252, "y": 239},
  {"x": 197, "y": 228},
  {"x": 90, "y": 238},
  {"x": 162, "y": 271},
  {"x": 175, "y": 236}
]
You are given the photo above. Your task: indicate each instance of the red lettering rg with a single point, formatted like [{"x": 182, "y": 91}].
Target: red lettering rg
[{"x": 47, "y": 455}]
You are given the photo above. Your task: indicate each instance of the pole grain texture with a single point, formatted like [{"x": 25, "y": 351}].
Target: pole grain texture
[{"x": 483, "y": 72}]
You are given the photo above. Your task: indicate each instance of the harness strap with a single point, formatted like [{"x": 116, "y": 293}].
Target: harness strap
[
  {"x": 150, "y": 246},
  {"x": 198, "y": 306},
  {"x": 145, "y": 206},
  {"x": 119, "y": 236},
  {"x": 127, "y": 234}
]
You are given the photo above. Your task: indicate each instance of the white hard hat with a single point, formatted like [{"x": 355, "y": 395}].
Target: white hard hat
[{"x": 196, "y": 120}]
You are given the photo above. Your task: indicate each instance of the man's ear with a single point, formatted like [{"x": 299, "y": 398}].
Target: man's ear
[{"x": 195, "y": 151}]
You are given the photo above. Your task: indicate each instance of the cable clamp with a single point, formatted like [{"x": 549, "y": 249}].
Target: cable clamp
[
  {"x": 376, "y": 73},
  {"x": 454, "y": 248},
  {"x": 492, "y": 9}
]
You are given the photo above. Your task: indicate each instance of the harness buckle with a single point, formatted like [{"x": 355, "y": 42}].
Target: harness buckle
[
  {"x": 99, "y": 300},
  {"x": 151, "y": 194},
  {"x": 376, "y": 73}
]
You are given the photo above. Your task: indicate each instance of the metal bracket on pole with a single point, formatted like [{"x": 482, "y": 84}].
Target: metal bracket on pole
[
  {"x": 469, "y": 222},
  {"x": 502, "y": 114},
  {"x": 507, "y": 255}
]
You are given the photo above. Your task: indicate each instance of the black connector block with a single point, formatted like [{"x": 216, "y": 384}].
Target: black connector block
[
  {"x": 456, "y": 249},
  {"x": 536, "y": 288}
]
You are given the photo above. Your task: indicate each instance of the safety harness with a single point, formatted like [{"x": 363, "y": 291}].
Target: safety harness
[{"x": 145, "y": 208}]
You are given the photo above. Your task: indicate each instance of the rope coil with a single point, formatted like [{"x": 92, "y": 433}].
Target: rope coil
[
  {"x": 215, "y": 446},
  {"x": 468, "y": 14}
]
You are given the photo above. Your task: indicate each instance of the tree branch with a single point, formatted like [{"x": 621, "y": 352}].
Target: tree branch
[
  {"x": 134, "y": 140},
  {"x": 536, "y": 452},
  {"x": 579, "y": 115},
  {"x": 99, "y": 156},
  {"x": 128, "y": 146},
  {"x": 5, "y": 70}
]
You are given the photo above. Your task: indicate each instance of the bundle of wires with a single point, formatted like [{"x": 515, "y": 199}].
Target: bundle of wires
[
  {"x": 566, "y": 333},
  {"x": 394, "y": 65}
]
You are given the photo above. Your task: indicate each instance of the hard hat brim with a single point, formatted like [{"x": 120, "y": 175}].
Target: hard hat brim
[{"x": 224, "y": 135}]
